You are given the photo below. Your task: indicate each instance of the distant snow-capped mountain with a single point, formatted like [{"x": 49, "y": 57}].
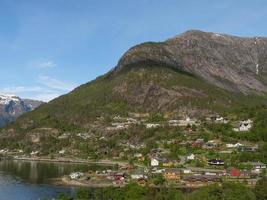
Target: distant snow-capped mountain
[{"x": 12, "y": 107}]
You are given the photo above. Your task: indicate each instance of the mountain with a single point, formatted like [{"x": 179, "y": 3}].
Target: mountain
[
  {"x": 12, "y": 107},
  {"x": 195, "y": 73},
  {"x": 229, "y": 62}
]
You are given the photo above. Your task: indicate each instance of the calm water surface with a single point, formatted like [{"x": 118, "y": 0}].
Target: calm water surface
[{"x": 24, "y": 180}]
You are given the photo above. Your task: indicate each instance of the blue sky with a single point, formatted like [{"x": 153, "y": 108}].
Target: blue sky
[{"x": 49, "y": 47}]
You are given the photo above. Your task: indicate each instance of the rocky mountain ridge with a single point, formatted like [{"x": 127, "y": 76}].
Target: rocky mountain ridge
[
  {"x": 12, "y": 107},
  {"x": 229, "y": 62}
]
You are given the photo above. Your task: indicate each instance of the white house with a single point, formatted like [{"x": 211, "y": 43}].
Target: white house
[
  {"x": 257, "y": 166},
  {"x": 149, "y": 126},
  {"x": 33, "y": 153},
  {"x": 220, "y": 120},
  {"x": 187, "y": 121},
  {"x": 190, "y": 157},
  {"x": 187, "y": 171},
  {"x": 244, "y": 126},
  {"x": 230, "y": 145},
  {"x": 62, "y": 152},
  {"x": 173, "y": 122},
  {"x": 76, "y": 175},
  {"x": 154, "y": 162}
]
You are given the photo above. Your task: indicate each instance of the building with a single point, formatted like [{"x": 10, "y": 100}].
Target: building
[
  {"x": 190, "y": 157},
  {"x": 34, "y": 153},
  {"x": 231, "y": 145},
  {"x": 221, "y": 120},
  {"x": 154, "y": 162},
  {"x": 187, "y": 121},
  {"x": 62, "y": 152},
  {"x": 233, "y": 172},
  {"x": 137, "y": 174},
  {"x": 173, "y": 123},
  {"x": 244, "y": 126},
  {"x": 76, "y": 175},
  {"x": 257, "y": 167},
  {"x": 172, "y": 174},
  {"x": 200, "y": 180},
  {"x": 150, "y": 126},
  {"x": 247, "y": 149},
  {"x": 215, "y": 162}
]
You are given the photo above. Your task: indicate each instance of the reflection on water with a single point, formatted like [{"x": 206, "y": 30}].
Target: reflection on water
[{"x": 25, "y": 180}]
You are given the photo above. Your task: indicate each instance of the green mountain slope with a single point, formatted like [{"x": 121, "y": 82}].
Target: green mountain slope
[{"x": 144, "y": 88}]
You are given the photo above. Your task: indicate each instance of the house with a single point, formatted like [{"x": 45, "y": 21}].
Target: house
[
  {"x": 215, "y": 162},
  {"x": 221, "y": 120},
  {"x": 231, "y": 145},
  {"x": 117, "y": 176},
  {"x": 4, "y": 151},
  {"x": 150, "y": 126},
  {"x": 154, "y": 162},
  {"x": 200, "y": 180},
  {"x": 244, "y": 126},
  {"x": 173, "y": 123},
  {"x": 137, "y": 174},
  {"x": 209, "y": 145},
  {"x": 64, "y": 136},
  {"x": 257, "y": 167},
  {"x": 233, "y": 172},
  {"x": 157, "y": 171},
  {"x": 187, "y": 171},
  {"x": 34, "y": 153},
  {"x": 172, "y": 174},
  {"x": 190, "y": 157},
  {"x": 84, "y": 136},
  {"x": 62, "y": 152},
  {"x": 247, "y": 149},
  {"x": 236, "y": 173},
  {"x": 187, "y": 121},
  {"x": 76, "y": 175}
]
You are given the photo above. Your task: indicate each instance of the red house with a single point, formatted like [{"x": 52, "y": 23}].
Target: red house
[{"x": 233, "y": 172}]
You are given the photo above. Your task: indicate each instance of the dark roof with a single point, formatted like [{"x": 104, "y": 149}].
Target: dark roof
[{"x": 202, "y": 178}]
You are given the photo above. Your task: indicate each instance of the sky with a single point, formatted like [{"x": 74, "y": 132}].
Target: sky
[{"x": 49, "y": 47}]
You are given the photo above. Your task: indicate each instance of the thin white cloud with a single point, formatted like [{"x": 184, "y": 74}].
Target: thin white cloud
[
  {"x": 55, "y": 84},
  {"x": 20, "y": 89},
  {"x": 47, "y": 64},
  {"x": 46, "y": 97},
  {"x": 43, "y": 64},
  {"x": 47, "y": 89}
]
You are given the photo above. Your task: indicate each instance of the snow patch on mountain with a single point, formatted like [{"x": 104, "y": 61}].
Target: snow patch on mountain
[{"x": 5, "y": 99}]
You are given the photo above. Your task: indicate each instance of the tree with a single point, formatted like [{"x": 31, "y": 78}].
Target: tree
[
  {"x": 237, "y": 191},
  {"x": 82, "y": 194},
  {"x": 261, "y": 189},
  {"x": 134, "y": 192}
]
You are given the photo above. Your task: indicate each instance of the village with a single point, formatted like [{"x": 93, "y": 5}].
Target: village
[
  {"x": 188, "y": 159},
  {"x": 188, "y": 170}
]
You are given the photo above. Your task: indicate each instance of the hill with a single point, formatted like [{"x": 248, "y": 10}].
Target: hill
[{"x": 196, "y": 73}]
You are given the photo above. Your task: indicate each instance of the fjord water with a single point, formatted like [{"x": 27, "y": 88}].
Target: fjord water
[{"x": 34, "y": 180}]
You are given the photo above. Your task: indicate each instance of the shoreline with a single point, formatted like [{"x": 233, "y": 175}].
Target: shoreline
[
  {"x": 69, "y": 160},
  {"x": 76, "y": 183}
]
